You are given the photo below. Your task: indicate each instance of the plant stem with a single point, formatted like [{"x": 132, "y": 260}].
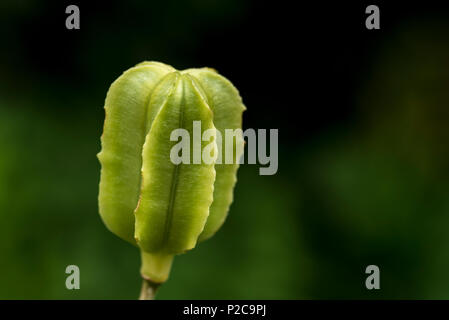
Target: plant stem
[{"x": 149, "y": 289}]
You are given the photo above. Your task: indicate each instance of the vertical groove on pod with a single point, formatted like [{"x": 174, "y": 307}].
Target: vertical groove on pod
[{"x": 174, "y": 180}]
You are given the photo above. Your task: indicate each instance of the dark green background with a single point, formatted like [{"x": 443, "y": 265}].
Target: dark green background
[{"x": 363, "y": 161}]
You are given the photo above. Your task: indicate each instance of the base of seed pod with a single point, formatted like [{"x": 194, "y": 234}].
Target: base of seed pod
[{"x": 156, "y": 266}]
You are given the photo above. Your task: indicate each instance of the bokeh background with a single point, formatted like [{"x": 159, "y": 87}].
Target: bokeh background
[{"x": 363, "y": 152}]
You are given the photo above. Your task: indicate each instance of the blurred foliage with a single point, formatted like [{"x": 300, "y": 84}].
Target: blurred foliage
[{"x": 372, "y": 191}]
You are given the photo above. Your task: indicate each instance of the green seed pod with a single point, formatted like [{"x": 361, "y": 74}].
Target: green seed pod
[{"x": 145, "y": 198}]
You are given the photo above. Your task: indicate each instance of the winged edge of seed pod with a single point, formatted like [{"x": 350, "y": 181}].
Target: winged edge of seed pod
[{"x": 145, "y": 199}]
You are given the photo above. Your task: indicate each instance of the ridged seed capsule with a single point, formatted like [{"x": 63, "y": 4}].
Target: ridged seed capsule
[{"x": 145, "y": 198}]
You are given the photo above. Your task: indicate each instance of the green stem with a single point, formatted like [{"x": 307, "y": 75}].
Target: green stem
[{"x": 149, "y": 289}]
